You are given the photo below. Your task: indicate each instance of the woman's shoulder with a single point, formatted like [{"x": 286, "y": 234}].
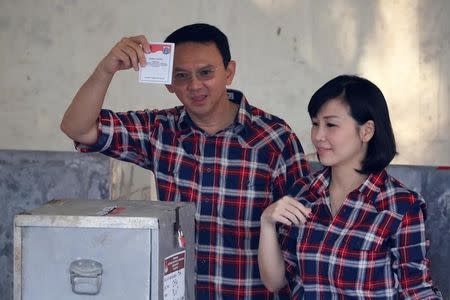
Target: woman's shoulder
[{"x": 395, "y": 196}]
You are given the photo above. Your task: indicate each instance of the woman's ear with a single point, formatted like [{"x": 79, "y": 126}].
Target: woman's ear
[{"x": 366, "y": 131}]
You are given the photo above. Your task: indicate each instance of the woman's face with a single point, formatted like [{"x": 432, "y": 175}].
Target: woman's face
[{"x": 337, "y": 137}]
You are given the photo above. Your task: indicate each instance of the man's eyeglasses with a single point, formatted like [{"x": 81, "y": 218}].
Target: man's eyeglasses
[{"x": 203, "y": 74}]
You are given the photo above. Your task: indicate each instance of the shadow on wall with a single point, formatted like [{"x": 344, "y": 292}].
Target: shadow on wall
[{"x": 131, "y": 182}]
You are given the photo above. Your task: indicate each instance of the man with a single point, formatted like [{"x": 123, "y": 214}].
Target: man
[{"x": 230, "y": 158}]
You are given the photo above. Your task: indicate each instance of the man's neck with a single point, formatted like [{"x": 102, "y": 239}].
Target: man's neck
[{"x": 214, "y": 124}]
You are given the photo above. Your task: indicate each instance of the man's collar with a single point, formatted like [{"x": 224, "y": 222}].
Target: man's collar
[{"x": 243, "y": 118}]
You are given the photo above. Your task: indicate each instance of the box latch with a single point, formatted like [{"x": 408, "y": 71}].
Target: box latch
[
  {"x": 86, "y": 276},
  {"x": 179, "y": 236}
]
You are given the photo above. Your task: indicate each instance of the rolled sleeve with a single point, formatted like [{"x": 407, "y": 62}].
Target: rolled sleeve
[
  {"x": 125, "y": 136},
  {"x": 410, "y": 262},
  {"x": 105, "y": 134},
  {"x": 287, "y": 237}
]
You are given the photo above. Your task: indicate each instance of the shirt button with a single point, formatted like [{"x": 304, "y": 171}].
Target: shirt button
[{"x": 208, "y": 170}]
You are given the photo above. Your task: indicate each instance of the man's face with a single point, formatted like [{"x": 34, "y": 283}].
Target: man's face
[{"x": 200, "y": 80}]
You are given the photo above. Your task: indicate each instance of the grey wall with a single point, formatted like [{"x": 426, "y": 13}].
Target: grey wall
[{"x": 284, "y": 51}]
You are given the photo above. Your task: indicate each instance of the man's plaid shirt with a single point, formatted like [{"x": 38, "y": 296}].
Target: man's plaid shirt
[
  {"x": 232, "y": 177},
  {"x": 374, "y": 248}
]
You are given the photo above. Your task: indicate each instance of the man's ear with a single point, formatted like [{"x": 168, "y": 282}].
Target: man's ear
[
  {"x": 230, "y": 70},
  {"x": 170, "y": 88},
  {"x": 367, "y": 130}
]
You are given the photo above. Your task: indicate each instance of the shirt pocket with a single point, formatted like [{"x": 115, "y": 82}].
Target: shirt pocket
[
  {"x": 372, "y": 232},
  {"x": 241, "y": 208},
  {"x": 363, "y": 261},
  {"x": 177, "y": 178},
  {"x": 247, "y": 197},
  {"x": 186, "y": 174}
]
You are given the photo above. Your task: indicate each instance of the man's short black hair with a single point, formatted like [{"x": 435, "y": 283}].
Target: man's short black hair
[
  {"x": 366, "y": 102},
  {"x": 202, "y": 33}
]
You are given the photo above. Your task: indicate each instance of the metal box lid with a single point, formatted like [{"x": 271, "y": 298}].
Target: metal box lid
[{"x": 100, "y": 213}]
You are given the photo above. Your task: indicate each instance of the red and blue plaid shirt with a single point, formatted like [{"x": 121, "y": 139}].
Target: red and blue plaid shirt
[
  {"x": 232, "y": 177},
  {"x": 374, "y": 248}
]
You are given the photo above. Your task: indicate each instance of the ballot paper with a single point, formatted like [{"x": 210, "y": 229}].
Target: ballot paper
[{"x": 159, "y": 64}]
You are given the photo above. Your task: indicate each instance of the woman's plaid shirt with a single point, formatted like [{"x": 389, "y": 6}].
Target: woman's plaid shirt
[
  {"x": 374, "y": 248},
  {"x": 232, "y": 177}
]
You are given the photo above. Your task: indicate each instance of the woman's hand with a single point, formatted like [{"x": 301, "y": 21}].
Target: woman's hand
[{"x": 286, "y": 210}]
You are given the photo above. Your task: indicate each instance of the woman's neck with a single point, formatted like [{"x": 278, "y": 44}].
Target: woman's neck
[
  {"x": 343, "y": 181},
  {"x": 347, "y": 179}
]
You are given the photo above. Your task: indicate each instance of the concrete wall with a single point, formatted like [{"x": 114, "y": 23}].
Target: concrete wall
[{"x": 284, "y": 50}]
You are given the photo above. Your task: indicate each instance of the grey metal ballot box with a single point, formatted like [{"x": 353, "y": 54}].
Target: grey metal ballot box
[{"x": 102, "y": 249}]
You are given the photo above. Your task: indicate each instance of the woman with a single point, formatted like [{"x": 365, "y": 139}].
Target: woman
[{"x": 349, "y": 231}]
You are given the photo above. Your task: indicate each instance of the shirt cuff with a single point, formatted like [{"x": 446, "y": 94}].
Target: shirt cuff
[{"x": 105, "y": 132}]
